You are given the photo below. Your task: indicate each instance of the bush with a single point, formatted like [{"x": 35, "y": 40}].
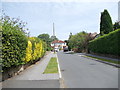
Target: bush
[
  {"x": 28, "y": 56},
  {"x": 17, "y": 48},
  {"x": 78, "y": 42},
  {"x": 106, "y": 44},
  {"x": 35, "y": 49},
  {"x": 14, "y": 43}
]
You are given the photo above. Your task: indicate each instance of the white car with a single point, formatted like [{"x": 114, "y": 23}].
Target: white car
[{"x": 56, "y": 49}]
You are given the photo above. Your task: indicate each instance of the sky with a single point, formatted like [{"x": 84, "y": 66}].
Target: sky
[{"x": 68, "y": 17}]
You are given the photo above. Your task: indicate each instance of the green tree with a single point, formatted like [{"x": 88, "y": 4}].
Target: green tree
[
  {"x": 79, "y": 41},
  {"x": 106, "y": 25},
  {"x": 53, "y": 38},
  {"x": 46, "y": 38},
  {"x": 67, "y": 41},
  {"x": 116, "y": 26}
]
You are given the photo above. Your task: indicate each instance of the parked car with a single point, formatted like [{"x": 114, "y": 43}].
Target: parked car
[
  {"x": 65, "y": 49},
  {"x": 56, "y": 49}
]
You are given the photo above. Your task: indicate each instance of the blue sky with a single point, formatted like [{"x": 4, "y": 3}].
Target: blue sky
[{"x": 68, "y": 16}]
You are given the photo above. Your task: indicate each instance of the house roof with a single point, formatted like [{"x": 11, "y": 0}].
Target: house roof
[
  {"x": 92, "y": 35},
  {"x": 58, "y": 41}
]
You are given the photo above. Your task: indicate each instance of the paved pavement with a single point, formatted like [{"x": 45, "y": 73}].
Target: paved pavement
[
  {"x": 33, "y": 76},
  {"x": 103, "y": 57},
  {"x": 80, "y": 72}
]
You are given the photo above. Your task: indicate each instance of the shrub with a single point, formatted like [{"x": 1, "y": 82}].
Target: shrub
[
  {"x": 35, "y": 49},
  {"x": 17, "y": 48},
  {"x": 106, "y": 44},
  {"x": 28, "y": 56},
  {"x": 14, "y": 43}
]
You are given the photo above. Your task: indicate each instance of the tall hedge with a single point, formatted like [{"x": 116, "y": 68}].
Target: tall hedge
[
  {"x": 14, "y": 43},
  {"x": 106, "y": 44},
  {"x": 35, "y": 49},
  {"x": 17, "y": 48}
]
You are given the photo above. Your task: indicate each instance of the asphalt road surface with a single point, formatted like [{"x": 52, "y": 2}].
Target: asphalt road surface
[{"x": 81, "y": 72}]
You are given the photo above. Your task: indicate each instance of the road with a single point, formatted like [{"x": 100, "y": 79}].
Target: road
[{"x": 81, "y": 72}]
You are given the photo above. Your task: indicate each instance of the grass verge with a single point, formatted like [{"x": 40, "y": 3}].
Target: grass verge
[
  {"x": 52, "y": 66},
  {"x": 107, "y": 60}
]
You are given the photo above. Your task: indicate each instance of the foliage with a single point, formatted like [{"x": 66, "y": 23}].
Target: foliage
[
  {"x": 28, "y": 56},
  {"x": 35, "y": 49},
  {"x": 46, "y": 38},
  {"x": 14, "y": 42},
  {"x": 106, "y": 44},
  {"x": 53, "y": 38},
  {"x": 67, "y": 42},
  {"x": 116, "y": 26},
  {"x": 17, "y": 48},
  {"x": 78, "y": 41},
  {"x": 106, "y": 25}
]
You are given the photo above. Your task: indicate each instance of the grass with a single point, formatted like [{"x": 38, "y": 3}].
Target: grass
[
  {"x": 107, "y": 60},
  {"x": 52, "y": 66}
]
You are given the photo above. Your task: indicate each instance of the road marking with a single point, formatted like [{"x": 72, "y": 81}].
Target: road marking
[{"x": 60, "y": 75}]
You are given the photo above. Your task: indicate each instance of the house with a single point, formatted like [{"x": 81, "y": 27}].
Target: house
[
  {"x": 93, "y": 35},
  {"x": 58, "y": 44}
]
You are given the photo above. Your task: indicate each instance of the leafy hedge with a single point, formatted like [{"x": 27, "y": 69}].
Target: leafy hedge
[
  {"x": 106, "y": 44},
  {"x": 35, "y": 49},
  {"x": 14, "y": 43},
  {"x": 17, "y": 48}
]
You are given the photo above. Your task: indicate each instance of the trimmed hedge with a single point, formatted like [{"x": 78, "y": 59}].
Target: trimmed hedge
[
  {"x": 35, "y": 49},
  {"x": 17, "y": 48},
  {"x": 14, "y": 43},
  {"x": 106, "y": 44}
]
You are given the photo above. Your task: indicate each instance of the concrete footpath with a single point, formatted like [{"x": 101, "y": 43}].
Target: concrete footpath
[
  {"x": 110, "y": 59},
  {"x": 33, "y": 76}
]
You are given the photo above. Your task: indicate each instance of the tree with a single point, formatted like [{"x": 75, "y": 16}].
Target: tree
[
  {"x": 79, "y": 41},
  {"x": 67, "y": 41},
  {"x": 46, "y": 38},
  {"x": 70, "y": 35},
  {"x": 53, "y": 38},
  {"x": 116, "y": 26},
  {"x": 106, "y": 25}
]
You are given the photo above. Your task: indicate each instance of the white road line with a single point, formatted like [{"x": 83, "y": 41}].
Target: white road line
[{"x": 60, "y": 75}]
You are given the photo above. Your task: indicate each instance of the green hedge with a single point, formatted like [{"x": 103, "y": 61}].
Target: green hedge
[
  {"x": 14, "y": 43},
  {"x": 17, "y": 48},
  {"x": 106, "y": 44}
]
